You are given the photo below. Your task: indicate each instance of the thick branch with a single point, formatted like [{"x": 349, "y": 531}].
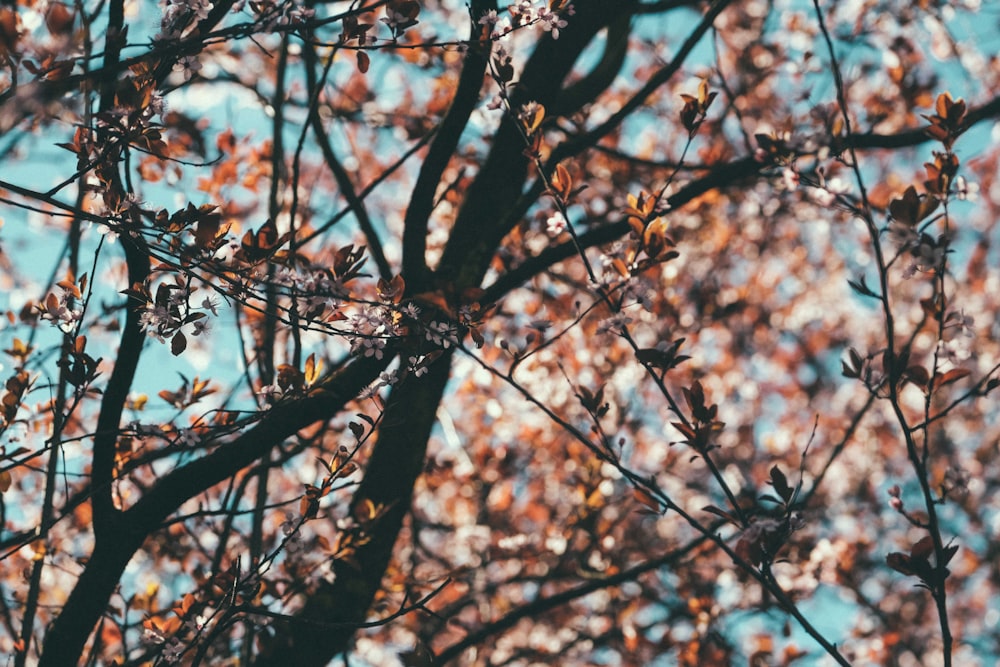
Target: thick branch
[
  {"x": 68, "y": 634},
  {"x": 396, "y": 462},
  {"x": 483, "y": 220},
  {"x": 443, "y": 147}
]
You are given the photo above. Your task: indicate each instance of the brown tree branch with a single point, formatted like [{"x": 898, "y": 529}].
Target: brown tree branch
[
  {"x": 442, "y": 148},
  {"x": 66, "y": 637},
  {"x": 484, "y": 218},
  {"x": 395, "y": 463}
]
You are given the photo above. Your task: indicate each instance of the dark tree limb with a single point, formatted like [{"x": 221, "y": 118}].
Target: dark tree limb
[
  {"x": 66, "y": 637},
  {"x": 442, "y": 148},
  {"x": 483, "y": 220},
  {"x": 394, "y": 466}
]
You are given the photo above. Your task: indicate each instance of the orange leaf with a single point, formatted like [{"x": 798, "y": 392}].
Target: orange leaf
[
  {"x": 646, "y": 498},
  {"x": 954, "y": 375}
]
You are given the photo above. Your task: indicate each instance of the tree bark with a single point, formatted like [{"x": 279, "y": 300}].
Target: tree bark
[{"x": 395, "y": 464}]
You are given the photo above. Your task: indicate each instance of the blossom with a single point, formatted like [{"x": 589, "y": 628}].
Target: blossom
[
  {"x": 964, "y": 323},
  {"x": 523, "y": 12},
  {"x": 155, "y": 319},
  {"x": 289, "y": 525},
  {"x": 394, "y": 20},
  {"x": 556, "y": 224},
  {"x": 62, "y": 315},
  {"x": 108, "y": 233},
  {"x": 501, "y": 28},
  {"x": 172, "y": 651},
  {"x": 187, "y": 437},
  {"x": 151, "y": 636},
  {"x": 551, "y": 22},
  {"x": 201, "y": 8},
  {"x": 417, "y": 365},
  {"x": 188, "y": 65},
  {"x": 369, "y": 346},
  {"x": 965, "y": 190},
  {"x": 496, "y": 103},
  {"x": 385, "y": 379},
  {"x": 791, "y": 178},
  {"x": 441, "y": 333},
  {"x": 616, "y": 324},
  {"x": 489, "y": 18},
  {"x": 271, "y": 393},
  {"x": 210, "y": 304},
  {"x": 903, "y": 236}
]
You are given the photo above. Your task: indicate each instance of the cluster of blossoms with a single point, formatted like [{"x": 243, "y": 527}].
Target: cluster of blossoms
[
  {"x": 279, "y": 15},
  {"x": 178, "y": 14},
  {"x": 315, "y": 292},
  {"x": 442, "y": 334},
  {"x": 171, "y": 649},
  {"x": 293, "y": 543},
  {"x": 927, "y": 253},
  {"x": 385, "y": 379},
  {"x": 371, "y": 328},
  {"x": 164, "y": 317},
  {"x": 960, "y": 337},
  {"x": 524, "y": 13},
  {"x": 416, "y": 365},
  {"x": 616, "y": 325},
  {"x": 57, "y": 310}
]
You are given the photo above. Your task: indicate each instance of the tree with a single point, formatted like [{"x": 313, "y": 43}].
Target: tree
[{"x": 590, "y": 332}]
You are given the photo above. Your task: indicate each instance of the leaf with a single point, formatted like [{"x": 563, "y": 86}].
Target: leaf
[
  {"x": 178, "y": 344},
  {"x": 363, "y": 61},
  {"x": 954, "y": 375},
  {"x": 947, "y": 553},
  {"x": 5, "y": 481},
  {"x": 899, "y": 562},
  {"x": 861, "y": 287},
  {"x": 357, "y": 429},
  {"x": 532, "y": 118},
  {"x": 918, "y": 375},
  {"x": 857, "y": 364},
  {"x": 259, "y": 245},
  {"x": 694, "y": 395},
  {"x": 392, "y": 290},
  {"x": 923, "y": 548},
  {"x": 780, "y": 484},
  {"x": 19, "y": 349},
  {"x": 712, "y": 509},
  {"x": 562, "y": 182},
  {"x": 686, "y": 430},
  {"x": 662, "y": 359},
  {"x": 646, "y": 498},
  {"x": 911, "y": 208},
  {"x": 309, "y": 505},
  {"x": 207, "y": 229},
  {"x": 313, "y": 368}
]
